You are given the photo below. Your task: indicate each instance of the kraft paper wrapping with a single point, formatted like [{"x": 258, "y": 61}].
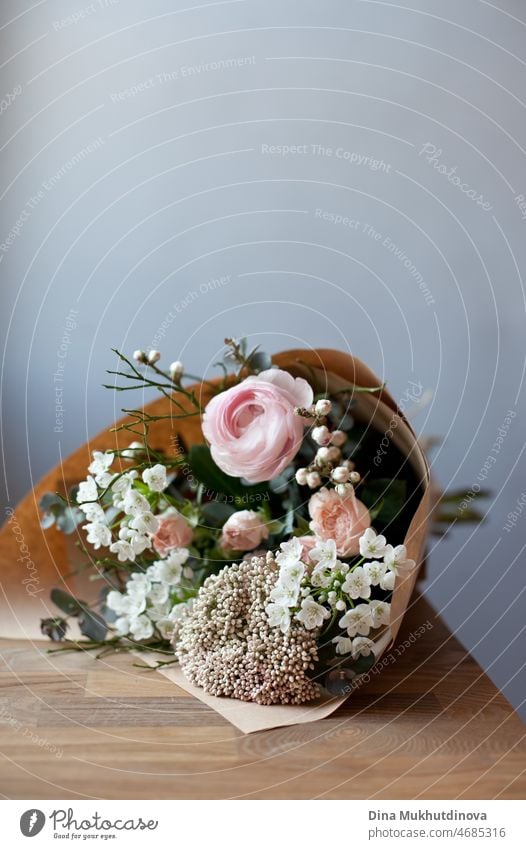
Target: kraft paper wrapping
[{"x": 32, "y": 560}]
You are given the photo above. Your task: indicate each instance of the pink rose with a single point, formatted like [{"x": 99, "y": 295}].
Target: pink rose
[
  {"x": 243, "y": 531},
  {"x": 172, "y": 532},
  {"x": 342, "y": 518},
  {"x": 252, "y": 429},
  {"x": 307, "y": 544}
]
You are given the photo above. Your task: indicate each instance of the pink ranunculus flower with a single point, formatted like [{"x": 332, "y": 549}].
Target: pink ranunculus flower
[
  {"x": 243, "y": 531},
  {"x": 252, "y": 429},
  {"x": 342, "y": 518},
  {"x": 173, "y": 532}
]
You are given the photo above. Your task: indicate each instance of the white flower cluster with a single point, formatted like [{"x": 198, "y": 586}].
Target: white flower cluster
[
  {"x": 139, "y": 522},
  {"x": 152, "y": 600},
  {"x": 315, "y": 586}
]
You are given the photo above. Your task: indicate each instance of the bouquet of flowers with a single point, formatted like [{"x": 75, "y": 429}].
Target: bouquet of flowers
[{"x": 263, "y": 529}]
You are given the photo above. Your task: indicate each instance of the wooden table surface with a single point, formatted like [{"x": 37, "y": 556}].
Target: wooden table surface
[{"x": 432, "y": 725}]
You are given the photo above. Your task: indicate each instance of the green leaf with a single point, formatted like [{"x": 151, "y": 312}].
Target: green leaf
[
  {"x": 210, "y": 475},
  {"x": 363, "y": 664},
  {"x": 66, "y": 602},
  {"x": 217, "y": 512},
  {"x": 92, "y": 625},
  {"x": 389, "y": 495}
]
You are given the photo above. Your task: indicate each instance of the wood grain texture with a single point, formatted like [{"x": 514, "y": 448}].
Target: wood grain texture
[{"x": 431, "y": 725}]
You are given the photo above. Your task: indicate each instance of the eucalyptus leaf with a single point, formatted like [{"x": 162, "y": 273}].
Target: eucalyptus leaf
[
  {"x": 68, "y": 519},
  {"x": 92, "y": 625},
  {"x": 66, "y": 602},
  {"x": 49, "y": 500},
  {"x": 259, "y": 361}
]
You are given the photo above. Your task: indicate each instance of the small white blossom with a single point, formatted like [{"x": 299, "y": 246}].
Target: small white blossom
[
  {"x": 158, "y": 594},
  {"x": 290, "y": 576},
  {"x": 324, "y": 553},
  {"x": 144, "y": 523},
  {"x": 357, "y": 621},
  {"x": 375, "y": 570},
  {"x": 124, "y": 604},
  {"x": 98, "y": 534},
  {"x": 139, "y": 543},
  {"x": 121, "y": 626},
  {"x": 155, "y": 477},
  {"x": 141, "y": 628},
  {"x": 114, "y": 600},
  {"x": 388, "y": 581},
  {"x": 311, "y": 614},
  {"x": 372, "y": 545},
  {"x": 138, "y": 586},
  {"x": 99, "y": 466},
  {"x": 123, "y": 483},
  {"x": 285, "y": 596},
  {"x": 396, "y": 558},
  {"x": 169, "y": 571},
  {"x": 362, "y": 647},
  {"x": 278, "y": 616},
  {"x": 343, "y": 645},
  {"x": 380, "y": 613},
  {"x": 123, "y": 550},
  {"x": 87, "y": 490},
  {"x": 357, "y": 584},
  {"x": 154, "y": 357},
  {"x": 135, "y": 503},
  {"x": 290, "y": 553},
  {"x": 93, "y": 511}
]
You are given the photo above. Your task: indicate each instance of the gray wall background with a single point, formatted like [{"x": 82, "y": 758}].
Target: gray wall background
[{"x": 140, "y": 145}]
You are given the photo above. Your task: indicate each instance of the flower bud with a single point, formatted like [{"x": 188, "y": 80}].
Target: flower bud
[
  {"x": 140, "y": 356},
  {"x": 338, "y": 437},
  {"x": 342, "y": 489},
  {"x": 322, "y": 407},
  {"x": 321, "y": 435},
  {"x": 313, "y": 480},
  {"x": 323, "y": 456},
  {"x": 355, "y": 477},
  {"x": 340, "y": 605},
  {"x": 153, "y": 357},
  {"x": 133, "y": 450},
  {"x": 176, "y": 370},
  {"x": 334, "y": 454},
  {"x": 340, "y": 474},
  {"x": 301, "y": 477}
]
